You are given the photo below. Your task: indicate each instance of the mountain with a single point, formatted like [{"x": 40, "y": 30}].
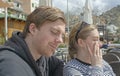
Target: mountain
[{"x": 112, "y": 16}]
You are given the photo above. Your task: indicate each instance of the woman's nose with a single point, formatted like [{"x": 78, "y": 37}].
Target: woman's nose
[{"x": 100, "y": 44}]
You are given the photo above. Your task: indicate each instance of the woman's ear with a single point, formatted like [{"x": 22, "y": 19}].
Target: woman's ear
[{"x": 80, "y": 42}]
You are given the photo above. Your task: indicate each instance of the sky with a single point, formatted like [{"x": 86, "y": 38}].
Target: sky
[{"x": 74, "y": 5}]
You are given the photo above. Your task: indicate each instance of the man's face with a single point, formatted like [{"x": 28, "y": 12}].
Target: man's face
[{"x": 47, "y": 38}]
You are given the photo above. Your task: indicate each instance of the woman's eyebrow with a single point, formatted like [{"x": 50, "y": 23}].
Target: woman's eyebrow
[{"x": 96, "y": 37}]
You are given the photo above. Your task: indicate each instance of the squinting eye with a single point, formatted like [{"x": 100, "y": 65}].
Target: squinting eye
[
  {"x": 55, "y": 32},
  {"x": 96, "y": 39}
]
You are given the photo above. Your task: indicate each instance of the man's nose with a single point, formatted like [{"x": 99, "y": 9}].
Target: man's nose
[{"x": 59, "y": 39}]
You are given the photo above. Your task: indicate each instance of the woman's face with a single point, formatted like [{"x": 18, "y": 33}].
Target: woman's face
[{"x": 92, "y": 40}]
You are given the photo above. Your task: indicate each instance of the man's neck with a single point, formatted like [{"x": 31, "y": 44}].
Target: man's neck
[{"x": 32, "y": 50}]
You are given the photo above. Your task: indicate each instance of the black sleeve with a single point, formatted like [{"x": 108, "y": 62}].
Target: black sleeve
[{"x": 55, "y": 66}]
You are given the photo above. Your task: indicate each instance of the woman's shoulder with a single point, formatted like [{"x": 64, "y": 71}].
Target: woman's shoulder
[
  {"x": 73, "y": 63},
  {"x": 71, "y": 68}
]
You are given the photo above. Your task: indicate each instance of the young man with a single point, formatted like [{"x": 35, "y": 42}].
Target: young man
[{"x": 28, "y": 53}]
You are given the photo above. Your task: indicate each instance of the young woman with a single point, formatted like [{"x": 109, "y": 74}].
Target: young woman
[{"x": 84, "y": 49}]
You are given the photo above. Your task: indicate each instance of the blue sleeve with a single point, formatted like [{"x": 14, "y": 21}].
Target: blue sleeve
[
  {"x": 95, "y": 71},
  {"x": 106, "y": 70},
  {"x": 68, "y": 71}
]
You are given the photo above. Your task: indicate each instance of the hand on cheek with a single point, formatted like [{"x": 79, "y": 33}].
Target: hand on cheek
[{"x": 95, "y": 55}]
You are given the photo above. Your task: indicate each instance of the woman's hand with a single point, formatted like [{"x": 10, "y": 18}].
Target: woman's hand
[{"x": 95, "y": 55}]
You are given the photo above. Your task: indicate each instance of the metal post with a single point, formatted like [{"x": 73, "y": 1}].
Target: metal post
[
  {"x": 51, "y": 3},
  {"x": 67, "y": 17},
  {"x": 6, "y": 24}
]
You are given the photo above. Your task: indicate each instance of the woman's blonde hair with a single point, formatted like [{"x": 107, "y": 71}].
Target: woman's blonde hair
[{"x": 80, "y": 30}]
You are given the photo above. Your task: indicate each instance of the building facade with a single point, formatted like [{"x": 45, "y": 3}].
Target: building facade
[
  {"x": 13, "y": 17},
  {"x": 45, "y": 2}
]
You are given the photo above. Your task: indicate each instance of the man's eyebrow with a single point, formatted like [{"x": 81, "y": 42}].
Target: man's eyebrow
[{"x": 58, "y": 30}]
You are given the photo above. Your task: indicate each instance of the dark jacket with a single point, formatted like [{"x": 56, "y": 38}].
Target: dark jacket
[
  {"x": 18, "y": 61},
  {"x": 55, "y": 67}
]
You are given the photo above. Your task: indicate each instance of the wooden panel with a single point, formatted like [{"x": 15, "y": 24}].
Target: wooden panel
[{"x": 13, "y": 25}]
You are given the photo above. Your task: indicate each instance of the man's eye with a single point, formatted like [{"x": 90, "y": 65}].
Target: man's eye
[{"x": 55, "y": 32}]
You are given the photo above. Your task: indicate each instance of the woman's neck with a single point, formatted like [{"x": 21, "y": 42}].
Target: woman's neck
[
  {"x": 33, "y": 52},
  {"x": 83, "y": 56}
]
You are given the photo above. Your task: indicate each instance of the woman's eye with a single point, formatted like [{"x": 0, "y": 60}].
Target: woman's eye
[{"x": 95, "y": 39}]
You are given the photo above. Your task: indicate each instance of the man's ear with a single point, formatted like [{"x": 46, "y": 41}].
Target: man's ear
[
  {"x": 32, "y": 28},
  {"x": 80, "y": 42}
]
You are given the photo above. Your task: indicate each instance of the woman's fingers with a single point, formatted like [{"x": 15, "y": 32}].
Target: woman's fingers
[
  {"x": 95, "y": 54},
  {"x": 95, "y": 49},
  {"x": 89, "y": 50},
  {"x": 98, "y": 51}
]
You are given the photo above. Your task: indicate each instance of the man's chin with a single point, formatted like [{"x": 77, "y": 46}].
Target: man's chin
[{"x": 50, "y": 54}]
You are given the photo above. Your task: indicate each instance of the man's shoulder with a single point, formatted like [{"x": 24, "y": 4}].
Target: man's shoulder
[
  {"x": 12, "y": 64},
  {"x": 6, "y": 53},
  {"x": 7, "y": 56},
  {"x": 2, "y": 48}
]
